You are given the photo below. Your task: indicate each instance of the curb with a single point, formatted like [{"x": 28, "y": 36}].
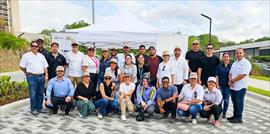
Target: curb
[
  {"x": 259, "y": 98},
  {"x": 6, "y": 109}
]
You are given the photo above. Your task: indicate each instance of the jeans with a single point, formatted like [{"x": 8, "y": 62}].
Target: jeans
[
  {"x": 36, "y": 90},
  {"x": 105, "y": 106},
  {"x": 215, "y": 110},
  {"x": 193, "y": 110},
  {"x": 238, "y": 102},
  {"x": 226, "y": 97},
  {"x": 56, "y": 101}
]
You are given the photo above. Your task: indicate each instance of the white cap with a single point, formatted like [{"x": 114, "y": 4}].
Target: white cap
[
  {"x": 212, "y": 79},
  {"x": 60, "y": 68},
  {"x": 86, "y": 73},
  {"x": 193, "y": 75},
  {"x": 108, "y": 74}
]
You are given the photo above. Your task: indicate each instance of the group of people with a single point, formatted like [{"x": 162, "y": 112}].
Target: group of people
[{"x": 146, "y": 83}]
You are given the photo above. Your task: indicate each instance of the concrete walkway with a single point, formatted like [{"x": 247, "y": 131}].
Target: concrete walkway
[
  {"x": 15, "y": 76},
  {"x": 265, "y": 85}
]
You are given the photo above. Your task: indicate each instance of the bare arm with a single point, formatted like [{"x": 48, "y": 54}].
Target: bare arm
[{"x": 199, "y": 75}]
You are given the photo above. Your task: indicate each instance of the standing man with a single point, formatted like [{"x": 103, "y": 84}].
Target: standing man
[
  {"x": 166, "y": 68},
  {"x": 121, "y": 57},
  {"x": 181, "y": 71},
  {"x": 41, "y": 49},
  {"x": 238, "y": 81},
  {"x": 34, "y": 66},
  {"x": 207, "y": 66},
  {"x": 153, "y": 63},
  {"x": 114, "y": 53},
  {"x": 54, "y": 59},
  {"x": 74, "y": 61},
  {"x": 193, "y": 56},
  {"x": 142, "y": 50}
]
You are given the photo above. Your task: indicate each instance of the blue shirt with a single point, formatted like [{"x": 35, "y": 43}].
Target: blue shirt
[
  {"x": 146, "y": 95},
  {"x": 163, "y": 94},
  {"x": 61, "y": 88},
  {"x": 223, "y": 74},
  {"x": 102, "y": 67}
]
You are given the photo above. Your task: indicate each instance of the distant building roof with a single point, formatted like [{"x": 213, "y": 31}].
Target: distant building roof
[{"x": 245, "y": 46}]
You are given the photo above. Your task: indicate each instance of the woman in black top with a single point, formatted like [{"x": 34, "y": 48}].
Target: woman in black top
[{"x": 84, "y": 95}]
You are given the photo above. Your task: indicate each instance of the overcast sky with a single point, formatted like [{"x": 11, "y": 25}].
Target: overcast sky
[{"x": 232, "y": 20}]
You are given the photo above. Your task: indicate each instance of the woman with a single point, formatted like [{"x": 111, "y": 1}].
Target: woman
[
  {"x": 190, "y": 99},
  {"x": 84, "y": 94},
  {"x": 106, "y": 102},
  {"x": 222, "y": 75},
  {"x": 104, "y": 63},
  {"x": 91, "y": 64},
  {"x": 126, "y": 90},
  {"x": 116, "y": 73},
  {"x": 130, "y": 68},
  {"x": 211, "y": 102}
]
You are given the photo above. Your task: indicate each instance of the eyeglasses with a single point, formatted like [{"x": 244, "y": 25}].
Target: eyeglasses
[
  {"x": 107, "y": 78},
  {"x": 195, "y": 44},
  {"x": 34, "y": 46},
  {"x": 209, "y": 48},
  {"x": 163, "y": 68}
]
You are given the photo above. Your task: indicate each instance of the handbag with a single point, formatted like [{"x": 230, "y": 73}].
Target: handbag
[{"x": 183, "y": 106}]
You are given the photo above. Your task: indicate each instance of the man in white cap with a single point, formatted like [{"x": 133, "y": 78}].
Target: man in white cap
[
  {"x": 181, "y": 71},
  {"x": 121, "y": 57},
  {"x": 193, "y": 56},
  {"x": 60, "y": 91},
  {"x": 166, "y": 68},
  {"x": 74, "y": 61}
]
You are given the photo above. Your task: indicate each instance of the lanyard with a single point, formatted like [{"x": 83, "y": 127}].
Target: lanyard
[
  {"x": 141, "y": 72},
  {"x": 95, "y": 61}
]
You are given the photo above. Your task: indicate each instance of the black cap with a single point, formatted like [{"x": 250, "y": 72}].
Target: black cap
[{"x": 151, "y": 47}]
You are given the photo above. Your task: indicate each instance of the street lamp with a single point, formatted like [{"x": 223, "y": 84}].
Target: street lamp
[{"x": 209, "y": 42}]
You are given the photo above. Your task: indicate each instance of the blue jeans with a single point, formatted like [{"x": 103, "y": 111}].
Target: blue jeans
[
  {"x": 238, "y": 102},
  {"x": 226, "y": 97},
  {"x": 193, "y": 110},
  {"x": 105, "y": 106},
  {"x": 36, "y": 90}
]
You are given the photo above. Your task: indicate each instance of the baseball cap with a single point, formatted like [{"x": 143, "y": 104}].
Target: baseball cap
[
  {"x": 86, "y": 73},
  {"x": 60, "y": 68},
  {"x": 212, "y": 79},
  {"x": 113, "y": 60},
  {"x": 193, "y": 75},
  {"x": 165, "y": 53},
  {"x": 195, "y": 42}
]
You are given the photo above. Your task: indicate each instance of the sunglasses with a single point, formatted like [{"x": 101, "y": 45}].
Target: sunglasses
[
  {"x": 107, "y": 78},
  {"x": 163, "y": 69},
  {"x": 34, "y": 46},
  {"x": 195, "y": 44},
  {"x": 209, "y": 48}
]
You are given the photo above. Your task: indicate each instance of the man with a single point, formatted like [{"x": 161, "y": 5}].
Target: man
[
  {"x": 142, "y": 50},
  {"x": 34, "y": 66},
  {"x": 181, "y": 71},
  {"x": 207, "y": 66},
  {"x": 166, "y": 68},
  {"x": 62, "y": 90},
  {"x": 146, "y": 94},
  {"x": 166, "y": 99},
  {"x": 193, "y": 56},
  {"x": 114, "y": 53},
  {"x": 238, "y": 81},
  {"x": 74, "y": 61},
  {"x": 54, "y": 59},
  {"x": 153, "y": 63},
  {"x": 41, "y": 49},
  {"x": 121, "y": 57}
]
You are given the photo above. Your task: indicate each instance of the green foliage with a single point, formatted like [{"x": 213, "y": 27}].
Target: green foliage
[
  {"x": 256, "y": 70},
  {"x": 48, "y": 31},
  {"x": 247, "y": 41},
  {"x": 227, "y": 43},
  {"x": 262, "y": 39},
  {"x": 12, "y": 91},
  {"x": 204, "y": 38},
  {"x": 78, "y": 24},
  {"x": 259, "y": 91},
  {"x": 11, "y": 42},
  {"x": 265, "y": 58}
]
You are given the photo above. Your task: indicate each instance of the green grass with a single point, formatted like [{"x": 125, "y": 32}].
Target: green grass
[
  {"x": 259, "y": 91},
  {"x": 260, "y": 77}
]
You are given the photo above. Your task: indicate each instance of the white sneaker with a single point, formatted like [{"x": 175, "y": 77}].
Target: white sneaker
[
  {"x": 80, "y": 114},
  {"x": 194, "y": 121},
  {"x": 123, "y": 117},
  {"x": 99, "y": 116}
]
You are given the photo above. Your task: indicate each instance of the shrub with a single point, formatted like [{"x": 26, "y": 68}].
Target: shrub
[
  {"x": 265, "y": 58},
  {"x": 12, "y": 91}
]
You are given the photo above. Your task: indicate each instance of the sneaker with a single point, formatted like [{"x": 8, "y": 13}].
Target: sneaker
[
  {"x": 224, "y": 116},
  {"x": 194, "y": 121},
  {"x": 34, "y": 112},
  {"x": 165, "y": 116},
  {"x": 236, "y": 120},
  {"x": 187, "y": 119},
  {"x": 43, "y": 111},
  {"x": 230, "y": 118},
  {"x": 217, "y": 123},
  {"x": 123, "y": 117},
  {"x": 99, "y": 116},
  {"x": 80, "y": 114}
]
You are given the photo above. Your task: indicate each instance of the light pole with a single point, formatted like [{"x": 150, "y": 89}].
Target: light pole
[
  {"x": 209, "y": 42},
  {"x": 93, "y": 12}
]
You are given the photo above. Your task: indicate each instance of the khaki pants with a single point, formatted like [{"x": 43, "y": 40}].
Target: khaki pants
[
  {"x": 75, "y": 80},
  {"x": 125, "y": 104}
]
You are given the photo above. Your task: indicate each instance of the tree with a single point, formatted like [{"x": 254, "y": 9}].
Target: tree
[
  {"x": 247, "y": 41},
  {"x": 204, "y": 38},
  {"x": 228, "y": 43},
  {"x": 262, "y": 39},
  {"x": 75, "y": 25},
  {"x": 48, "y": 31},
  {"x": 11, "y": 42}
]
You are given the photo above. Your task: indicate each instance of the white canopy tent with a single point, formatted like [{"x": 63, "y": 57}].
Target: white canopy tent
[{"x": 118, "y": 29}]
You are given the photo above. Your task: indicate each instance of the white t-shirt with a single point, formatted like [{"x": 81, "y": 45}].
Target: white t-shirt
[
  {"x": 74, "y": 61},
  {"x": 188, "y": 93},
  {"x": 132, "y": 71},
  {"x": 126, "y": 88},
  {"x": 114, "y": 78},
  {"x": 34, "y": 63},
  {"x": 167, "y": 69},
  {"x": 121, "y": 59},
  {"x": 240, "y": 67},
  {"x": 181, "y": 71},
  {"x": 92, "y": 64}
]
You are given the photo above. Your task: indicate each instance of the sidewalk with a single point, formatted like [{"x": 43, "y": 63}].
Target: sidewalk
[
  {"x": 15, "y": 76},
  {"x": 265, "y": 85}
]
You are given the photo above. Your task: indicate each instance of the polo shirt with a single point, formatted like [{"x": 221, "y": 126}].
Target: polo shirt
[
  {"x": 189, "y": 94},
  {"x": 33, "y": 63},
  {"x": 215, "y": 96},
  {"x": 163, "y": 94},
  {"x": 242, "y": 66},
  {"x": 74, "y": 61},
  {"x": 60, "y": 88},
  {"x": 53, "y": 62}
]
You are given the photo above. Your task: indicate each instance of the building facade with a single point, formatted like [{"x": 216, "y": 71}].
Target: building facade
[{"x": 9, "y": 16}]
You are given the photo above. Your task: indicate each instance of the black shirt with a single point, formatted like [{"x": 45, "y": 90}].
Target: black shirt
[
  {"x": 107, "y": 90},
  {"x": 194, "y": 59},
  {"x": 208, "y": 65},
  {"x": 82, "y": 90},
  {"x": 53, "y": 62},
  {"x": 141, "y": 71},
  {"x": 44, "y": 52}
]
